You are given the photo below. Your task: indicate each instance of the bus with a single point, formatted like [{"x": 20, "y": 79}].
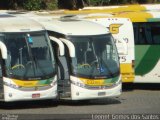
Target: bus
[
  {"x": 90, "y": 67},
  {"x": 28, "y": 69},
  {"x": 123, "y": 39},
  {"x": 146, "y": 26}
]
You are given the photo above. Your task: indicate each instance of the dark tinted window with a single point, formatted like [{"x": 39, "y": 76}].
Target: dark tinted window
[{"x": 147, "y": 33}]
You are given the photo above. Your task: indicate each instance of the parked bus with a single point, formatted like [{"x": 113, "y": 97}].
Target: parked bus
[
  {"x": 90, "y": 67},
  {"x": 28, "y": 69},
  {"x": 124, "y": 40},
  {"x": 147, "y": 44}
]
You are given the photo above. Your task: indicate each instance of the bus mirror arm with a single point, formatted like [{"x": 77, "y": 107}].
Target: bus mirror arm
[
  {"x": 3, "y": 49},
  {"x": 70, "y": 46},
  {"x": 61, "y": 45}
]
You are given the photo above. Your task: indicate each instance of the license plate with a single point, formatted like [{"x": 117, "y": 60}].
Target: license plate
[
  {"x": 101, "y": 93},
  {"x": 37, "y": 95}
]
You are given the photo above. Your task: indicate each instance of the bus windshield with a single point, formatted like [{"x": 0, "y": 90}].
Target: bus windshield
[
  {"x": 96, "y": 56},
  {"x": 29, "y": 56}
]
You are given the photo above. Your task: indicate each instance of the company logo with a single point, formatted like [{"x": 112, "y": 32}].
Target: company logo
[{"x": 114, "y": 28}]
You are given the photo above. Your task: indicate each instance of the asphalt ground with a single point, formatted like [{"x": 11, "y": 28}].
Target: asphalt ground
[{"x": 140, "y": 100}]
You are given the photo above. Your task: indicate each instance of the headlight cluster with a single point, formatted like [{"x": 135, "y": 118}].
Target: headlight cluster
[
  {"x": 78, "y": 84},
  {"x": 11, "y": 85}
]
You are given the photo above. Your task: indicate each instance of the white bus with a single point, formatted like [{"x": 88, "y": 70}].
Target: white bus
[
  {"x": 146, "y": 26},
  {"x": 122, "y": 31},
  {"x": 28, "y": 70},
  {"x": 90, "y": 66}
]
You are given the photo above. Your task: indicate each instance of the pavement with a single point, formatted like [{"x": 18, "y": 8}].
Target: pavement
[{"x": 140, "y": 100}]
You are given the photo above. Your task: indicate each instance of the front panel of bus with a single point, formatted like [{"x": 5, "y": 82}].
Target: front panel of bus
[
  {"x": 95, "y": 70},
  {"x": 29, "y": 72}
]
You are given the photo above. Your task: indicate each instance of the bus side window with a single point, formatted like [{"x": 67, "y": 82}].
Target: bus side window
[
  {"x": 148, "y": 35},
  {"x": 142, "y": 36},
  {"x": 142, "y": 33},
  {"x": 139, "y": 33},
  {"x": 155, "y": 34},
  {"x": 135, "y": 33}
]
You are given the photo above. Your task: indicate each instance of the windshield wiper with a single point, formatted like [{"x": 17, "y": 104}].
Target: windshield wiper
[{"x": 98, "y": 65}]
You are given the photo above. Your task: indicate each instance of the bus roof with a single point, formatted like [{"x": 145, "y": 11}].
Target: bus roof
[
  {"x": 10, "y": 23},
  {"x": 115, "y": 9},
  {"x": 75, "y": 27},
  {"x": 133, "y": 7},
  {"x": 137, "y": 13},
  {"x": 141, "y": 16}
]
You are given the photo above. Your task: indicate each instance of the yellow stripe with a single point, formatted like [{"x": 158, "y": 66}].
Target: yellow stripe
[
  {"x": 92, "y": 82},
  {"x": 21, "y": 83},
  {"x": 133, "y": 8},
  {"x": 127, "y": 72},
  {"x": 135, "y": 16},
  {"x": 136, "y": 13}
]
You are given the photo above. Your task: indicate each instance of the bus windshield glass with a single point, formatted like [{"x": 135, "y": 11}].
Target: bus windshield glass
[
  {"x": 29, "y": 56},
  {"x": 96, "y": 56}
]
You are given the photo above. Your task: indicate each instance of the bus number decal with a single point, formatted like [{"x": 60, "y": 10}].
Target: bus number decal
[
  {"x": 126, "y": 40},
  {"x": 123, "y": 58}
]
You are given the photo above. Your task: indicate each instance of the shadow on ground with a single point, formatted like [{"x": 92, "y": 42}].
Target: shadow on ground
[
  {"x": 140, "y": 86},
  {"x": 55, "y": 103},
  {"x": 106, "y": 101},
  {"x": 28, "y": 104}
]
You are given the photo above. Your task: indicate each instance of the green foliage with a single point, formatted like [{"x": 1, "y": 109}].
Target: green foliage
[
  {"x": 98, "y": 2},
  {"x": 64, "y": 4},
  {"x": 51, "y": 4},
  {"x": 40, "y": 4},
  {"x": 94, "y": 2},
  {"x": 33, "y": 4}
]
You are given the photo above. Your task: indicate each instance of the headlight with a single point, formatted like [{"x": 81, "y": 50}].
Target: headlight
[
  {"x": 78, "y": 84},
  {"x": 11, "y": 85}
]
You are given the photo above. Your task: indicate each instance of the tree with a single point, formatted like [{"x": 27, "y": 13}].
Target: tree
[
  {"x": 70, "y": 4},
  {"x": 64, "y": 4}
]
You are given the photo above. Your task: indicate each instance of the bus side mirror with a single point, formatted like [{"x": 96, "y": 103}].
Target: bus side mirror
[
  {"x": 60, "y": 44},
  {"x": 70, "y": 46},
  {"x": 3, "y": 49}
]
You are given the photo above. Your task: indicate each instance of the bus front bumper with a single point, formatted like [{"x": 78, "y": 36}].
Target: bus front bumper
[
  {"x": 79, "y": 93},
  {"x": 11, "y": 94}
]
